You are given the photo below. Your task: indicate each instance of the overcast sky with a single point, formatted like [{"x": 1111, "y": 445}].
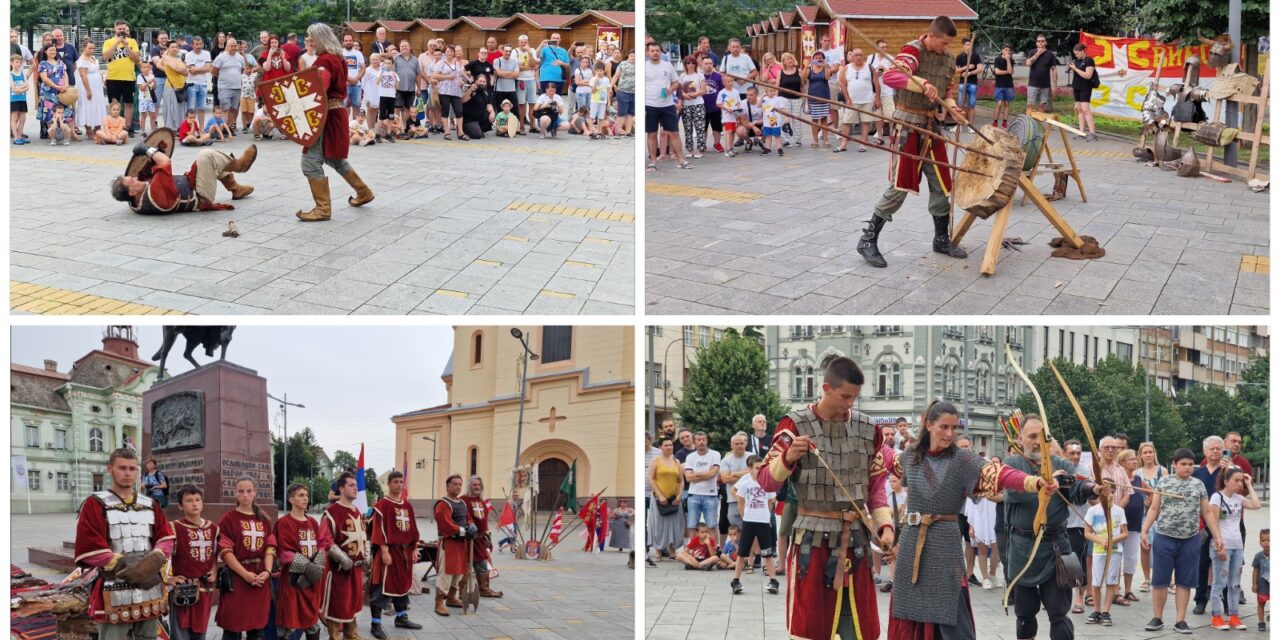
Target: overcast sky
[{"x": 351, "y": 379}]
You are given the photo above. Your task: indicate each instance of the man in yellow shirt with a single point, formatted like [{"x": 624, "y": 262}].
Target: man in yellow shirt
[{"x": 121, "y": 54}]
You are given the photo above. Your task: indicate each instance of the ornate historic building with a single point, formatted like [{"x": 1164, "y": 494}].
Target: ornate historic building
[{"x": 65, "y": 423}]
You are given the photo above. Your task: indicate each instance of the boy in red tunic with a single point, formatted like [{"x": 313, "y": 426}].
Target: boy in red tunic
[
  {"x": 247, "y": 545},
  {"x": 482, "y": 545},
  {"x": 453, "y": 522},
  {"x": 302, "y": 543},
  {"x": 395, "y": 536},
  {"x": 344, "y": 581},
  {"x": 125, "y": 555},
  {"x": 194, "y": 560}
]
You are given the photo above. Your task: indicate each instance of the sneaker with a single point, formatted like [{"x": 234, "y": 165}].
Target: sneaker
[
  {"x": 886, "y": 587},
  {"x": 719, "y": 149},
  {"x": 1219, "y": 623},
  {"x": 999, "y": 581},
  {"x": 66, "y": 143},
  {"x": 750, "y": 143},
  {"x": 986, "y": 584},
  {"x": 1094, "y": 618},
  {"x": 1237, "y": 624},
  {"x": 1262, "y": 626},
  {"x": 53, "y": 143},
  {"x": 973, "y": 580},
  {"x": 739, "y": 143},
  {"x": 773, "y": 585},
  {"x": 648, "y": 562},
  {"x": 736, "y": 585},
  {"x": 730, "y": 153},
  {"x": 779, "y": 153},
  {"x": 764, "y": 152},
  {"x": 1106, "y": 619},
  {"x": 1155, "y": 624},
  {"x": 1198, "y": 610},
  {"x": 1182, "y": 627},
  {"x": 1093, "y": 137}
]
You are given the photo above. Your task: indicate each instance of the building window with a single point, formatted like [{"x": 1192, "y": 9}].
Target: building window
[
  {"x": 473, "y": 457},
  {"x": 719, "y": 335},
  {"x": 64, "y": 482},
  {"x": 59, "y": 438},
  {"x": 33, "y": 479},
  {"x": 889, "y": 379},
  {"x": 97, "y": 482},
  {"x": 657, "y": 331},
  {"x": 655, "y": 375},
  {"x": 688, "y": 336},
  {"x": 984, "y": 384},
  {"x": 704, "y": 337},
  {"x": 477, "y": 348},
  {"x": 951, "y": 385},
  {"x": 802, "y": 383},
  {"x": 95, "y": 440},
  {"x": 1124, "y": 351},
  {"x": 33, "y": 436},
  {"x": 557, "y": 344}
]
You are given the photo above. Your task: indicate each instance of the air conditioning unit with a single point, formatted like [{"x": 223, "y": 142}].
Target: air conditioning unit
[{"x": 48, "y": 445}]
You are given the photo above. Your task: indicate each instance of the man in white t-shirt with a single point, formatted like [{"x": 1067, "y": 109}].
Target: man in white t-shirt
[
  {"x": 200, "y": 64},
  {"x": 661, "y": 124},
  {"x": 739, "y": 64},
  {"x": 700, "y": 470},
  {"x": 835, "y": 59},
  {"x": 732, "y": 467},
  {"x": 354, "y": 59},
  {"x": 882, "y": 61}
]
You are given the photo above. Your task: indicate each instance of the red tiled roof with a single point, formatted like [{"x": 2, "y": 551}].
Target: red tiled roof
[
  {"x": 485, "y": 23},
  {"x": 436, "y": 24},
  {"x": 807, "y": 13},
  {"x": 955, "y": 9},
  {"x": 788, "y": 18},
  {"x": 620, "y": 18},
  {"x": 546, "y": 20},
  {"x": 38, "y": 371},
  {"x": 359, "y": 27},
  {"x": 395, "y": 25}
]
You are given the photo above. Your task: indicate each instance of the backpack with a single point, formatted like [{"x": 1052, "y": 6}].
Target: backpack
[{"x": 1095, "y": 81}]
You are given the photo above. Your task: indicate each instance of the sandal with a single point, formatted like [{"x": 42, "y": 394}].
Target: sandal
[
  {"x": 839, "y": 150},
  {"x": 651, "y": 167},
  {"x": 447, "y": 137},
  {"x": 1120, "y": 601},
  {"x": 1146, "y": 586},
  {"x": 1130, "y": 597},
  {"x": 685, "y": 164},
  {"x": 1077, "y": 609},
  {"x": 1088, "y": 601}
]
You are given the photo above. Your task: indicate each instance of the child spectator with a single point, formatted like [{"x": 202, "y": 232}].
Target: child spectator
[
  {"x": 730, "y": 110},
  {"x": 1234, "y": 495},
  {"x": 755, "y": 506},
  {"x": 112, "y": 130},
  {"x": 500, "y": 121},
  {"x": 579, "y": 124},
  {"x": 59, "y": 129},
  {"x": 189, "y": 133},
  {"x": 361, "y": 136},
  {"x": 387, "y": 80},
  {"x": 729, "y": 552},
  {"x": 583, "y": 76},
  {"x": 146, "y": 98},
  {"x": 700, "y": 553},
  {"x": 599, "y": 100},
  {"x": 19, "y": 87},
  {"x": 1262, "y": 576},
  {"x": 1096, "y": 532},
  {"x": 261, "y": 125},
  {"x": 216, "y": 128},
  {"x": 769, "y": 106},
  {"x": 248, "y": 94}
]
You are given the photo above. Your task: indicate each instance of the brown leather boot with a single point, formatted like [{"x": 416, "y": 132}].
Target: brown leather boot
[
  {"x": 237, "y": 190},
  {"x": 242, "y": 163},
  {"x": 441, "y": 610},
  {"x": 364, "y": 195},
  {"x": 452, "y": 599},
  {"x": 483, "y": 579},
  {"x": 320, "y": 193},
  {"x": 335, "y": 629},
  {"x": 351, "y": 631}
]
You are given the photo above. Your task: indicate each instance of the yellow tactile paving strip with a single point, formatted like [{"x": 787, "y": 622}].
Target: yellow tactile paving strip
[
  {"x": 68, "y": 157},
  {"x": 34, "y": 298},
  {"x": 699, "y": 193},
  {"x": 436, "y": 141},
  {"x": 575, "y": 212},
  {"x": 1059, "y": 154},
  {"x": 1255, "y": 264}
]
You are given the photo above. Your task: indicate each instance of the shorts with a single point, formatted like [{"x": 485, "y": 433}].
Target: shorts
[
  {"x": 1082, "y": 94},
  {"x": 713, "y": 119},
  {"x": 404, "y": 99},
  {"x": 967, "y": 95},
  {"x": 1004, "y": 94},
  {"x": 1039, "y": 95},
  {"x": 120, "y": 91},
  {"x": 661, "y": 117},
  {"x": 197, "y": 96},
  {"x": 386, "y": 107},
  {"x": 599, "y": 109},
  {"x": 730, "y": 126},
  {"x": 886, "y": 104},
  {"x": 353, "y": 95},
  {"x": 228, "y": 98},
  {"x": 760, "y": 533},
  {"x": 704, "y": 508},
  {"x": 626, "y": 104},
  {"x": 450, "y": 106},
  {"x": 773, "y": 132},
  {"x": 1179, "y": 556},
  {"x": 1113, "y": 571},
  {"x": 247, "y": 105},
  {"x": 527, "y": 91},
  {"x": 18, "y": 106},
  {"x": 849, "y": 116}
]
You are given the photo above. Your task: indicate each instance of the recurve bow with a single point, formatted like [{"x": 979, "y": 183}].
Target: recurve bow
[
  {"x": 1046, "y": 472},
  {"x": 1097, "y": 462}
]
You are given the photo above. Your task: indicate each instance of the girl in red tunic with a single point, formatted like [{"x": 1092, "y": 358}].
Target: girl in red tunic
[
  {"x": 194, "y": 560},
  {"x": 247, "y": 545},
  {"x": 297, "y": 534}
]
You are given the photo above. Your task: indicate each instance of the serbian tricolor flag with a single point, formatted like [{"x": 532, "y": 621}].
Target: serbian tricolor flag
[
  {"x": 556, "y": 525},
  {"x": 362, "y": 498}
]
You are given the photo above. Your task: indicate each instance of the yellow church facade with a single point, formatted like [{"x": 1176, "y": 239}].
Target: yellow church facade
[{"x": 579, "y": 404}]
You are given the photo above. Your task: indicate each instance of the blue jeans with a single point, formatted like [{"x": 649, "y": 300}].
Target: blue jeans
[
  {"x": 353, "y": 96},
  {"x": 967, "y": 95},
  {"x": 197, "y": 96},
  {"x": 706, "y": 506},
  {"x": 1004, "y": 94},
  {"x": 1226, "y": 576},
  {"x": 1177, "y": 556}
]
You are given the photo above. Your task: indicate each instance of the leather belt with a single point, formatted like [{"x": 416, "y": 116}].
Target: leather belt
[
  {"x": 334, "y": 103},
  {"x": 920, "y": 112},
  {"x": 845, "y": 516},
  {"x": 917, "y": 519},
  {"x": 846, "y": 519}
]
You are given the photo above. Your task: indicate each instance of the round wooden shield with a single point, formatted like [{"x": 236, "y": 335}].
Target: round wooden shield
[{"x": 162, "y": 139}]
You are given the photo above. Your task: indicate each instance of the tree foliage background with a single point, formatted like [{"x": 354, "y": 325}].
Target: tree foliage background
[
  {"x": 302, "y": 467},
  {"x": 728, "y": 385},
  {"x": 684, "y": 21}
]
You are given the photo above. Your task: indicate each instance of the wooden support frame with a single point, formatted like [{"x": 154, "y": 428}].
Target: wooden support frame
[
  {"x": 1062, "y": 128},
  {"x": 996, "y": 240},
  {"x": 1249, "y": 132}
]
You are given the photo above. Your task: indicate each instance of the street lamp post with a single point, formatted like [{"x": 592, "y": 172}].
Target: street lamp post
[
  {"x": 284, "y": 408},
  {"x": 433, "y": 465},
  {"x": 524, "y": 379}
]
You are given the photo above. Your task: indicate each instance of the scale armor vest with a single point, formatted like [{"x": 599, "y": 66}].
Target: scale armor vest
[
  {"x": 128, "y": 525},
  {"x": 938, "y": 486},
  {"x": 847, "y": 447},
  {"x": 937, "y": 68},
  {"x": 458, "y": 512}
]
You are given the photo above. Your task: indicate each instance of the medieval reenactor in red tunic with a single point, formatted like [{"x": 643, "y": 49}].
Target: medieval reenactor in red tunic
[
  {"x": 302, "y": 543},
  {"x": 395, "y": 538},
  {"x": 344, "y": 581},
  {"x": 333, "y": 143},
  {"x": 127, "y": 538},
  {"x": 482, "y": 545},
  {"x": 156, "y": 189},
  {"x": 246, "y": 544},
  {"x": 195, "y": 561},
  {"x": 456, "y": 528}
]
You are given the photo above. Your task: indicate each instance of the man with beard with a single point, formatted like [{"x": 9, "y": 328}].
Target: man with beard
[
  {"x": 454, "y": 523},
  {"x": 395, "y": 538},
  {"x": 344, "y": 588},
  {"x": 482, "y": 544},
  {"x": 156, "y": 190}
]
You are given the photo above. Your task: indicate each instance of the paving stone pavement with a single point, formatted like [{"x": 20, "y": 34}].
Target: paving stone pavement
[
  {"x": 778, "y": 236},
  {"x": 576, "y": 596},
  {"x": 456, "y": 228},
  {"x": 698, "y": 605}
]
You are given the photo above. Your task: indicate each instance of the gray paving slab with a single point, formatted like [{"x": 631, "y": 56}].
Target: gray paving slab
[
  {"x": 804, "y": 213},
  {"x": 441, "y": 212}
]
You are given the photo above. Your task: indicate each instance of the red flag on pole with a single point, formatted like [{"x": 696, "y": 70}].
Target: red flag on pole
[
  {"x": 604, "y": 523},
  {"x": 556, "y": 526},
  {"x": 508, "y": 517}
]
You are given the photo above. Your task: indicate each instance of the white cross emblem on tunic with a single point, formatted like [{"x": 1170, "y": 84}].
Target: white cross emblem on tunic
[
  {"x": 253, "y": 535},
  {"x": 355, "y": 537},
  {"x": 295, "y": 108},
  {"x": 202, "y": 547},
  {"x": 307, "y": 540},
  {"x": 402, "y": 519}
]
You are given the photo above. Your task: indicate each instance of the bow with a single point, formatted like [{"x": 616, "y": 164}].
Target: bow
[
  {"x": 1097, "y": 461},
  {"x": 1046, "y": 472}
]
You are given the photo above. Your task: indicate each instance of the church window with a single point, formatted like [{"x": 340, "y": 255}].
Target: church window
[
  {"x": 473, "y": 456},
  {"x": 477, "y": 348},
  {"x": 557, "y": 344}
]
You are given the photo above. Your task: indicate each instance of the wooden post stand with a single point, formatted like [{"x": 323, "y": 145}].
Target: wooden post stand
[
  {"x": 1062, "y": 128},
  {"x": 1250, "y": 132},
  {"x": 996, "y": 240}
]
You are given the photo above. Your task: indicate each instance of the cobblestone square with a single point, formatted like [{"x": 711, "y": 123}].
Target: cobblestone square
[{"x": 490, "y": 226}]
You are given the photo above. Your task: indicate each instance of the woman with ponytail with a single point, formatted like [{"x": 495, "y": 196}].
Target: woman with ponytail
[
  {"x": 247, "y": 546},
  {"x": 930, "y": 597}
]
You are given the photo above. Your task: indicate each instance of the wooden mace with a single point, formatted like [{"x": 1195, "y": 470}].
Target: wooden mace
[{"x": 876, "y": 146}]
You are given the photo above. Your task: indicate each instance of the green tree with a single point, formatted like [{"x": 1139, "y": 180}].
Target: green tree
[
  {"x": 1209, "y": 411},
  {"x": 1255, "y": 405},
  {"x": 728, "y": 384},
  {"x": 1185, "y": 19},
  {"x": 372, "y": 488},
  {"x": 1094, "y": 16},
  {"x": 684, "y": 21},
  {"x": 1111, "y": 396},
  {"x": 344, "y": 461},
  {"x": 302, "y": 461}
]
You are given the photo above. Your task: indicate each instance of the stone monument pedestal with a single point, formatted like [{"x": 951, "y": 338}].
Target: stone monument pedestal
[{"x": 208, "y": 427}]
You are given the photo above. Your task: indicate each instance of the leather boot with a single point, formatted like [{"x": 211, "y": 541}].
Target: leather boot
[
  {"x": 335, "y": 629},
  {"x": 483, "y": 580},
  {"x": 237, "y": 190},
  {"x": 313, "y": 635},
  {"x": 440, "y": 608},
  {"x": 452, "y": 599},
  {"x": 376, "y": 631},
  {"x": 942, "y": 238},
  {"x": 320, "y": 193},
  {"x": 403, "y": 622},
  {"x": 364, "y": 195},
  {"x": 351, "y": 631},
  {"x": 867, "y": 244},
  {"x": 242, "y": 163}
]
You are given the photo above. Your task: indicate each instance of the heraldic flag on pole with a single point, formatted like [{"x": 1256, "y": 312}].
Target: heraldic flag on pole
[
  {"x": 556, "y": 526},
  {"x": 362, "y": 498},
  {"x": 569, "y": 487}
]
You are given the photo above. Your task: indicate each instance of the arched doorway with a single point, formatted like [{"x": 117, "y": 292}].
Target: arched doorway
[{"x": 551, "y": 473}]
